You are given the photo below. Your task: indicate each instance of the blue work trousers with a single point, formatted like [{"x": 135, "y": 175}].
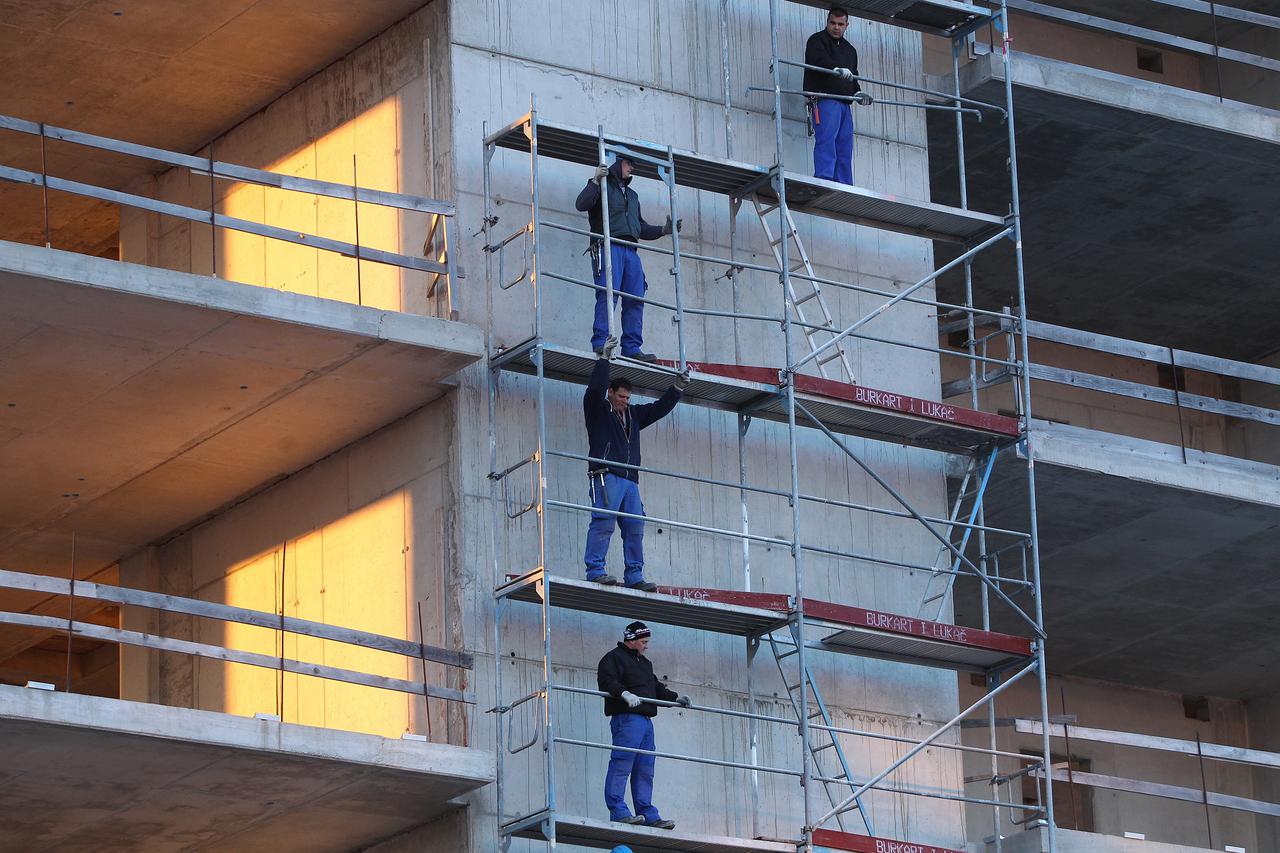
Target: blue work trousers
[
  {"x": 611, "y": 492},
  {"x": 628, "y": 280},
  {"x": 634, "y": 731},
  {"x": 833, "y": 141}
]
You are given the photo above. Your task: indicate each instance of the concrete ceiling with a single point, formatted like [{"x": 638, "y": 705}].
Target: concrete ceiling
[
  {"x": 135, "y": 401},
  {"x": 84, "y": 773},
  {"x": 1145, "y": 584},
  {"x": 1141, "y": 220},
  {"x": 168, "y": 73}
]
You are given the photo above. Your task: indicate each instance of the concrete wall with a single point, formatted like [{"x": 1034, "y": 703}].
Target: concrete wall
[
  {"x": 1252, "y": 439},
  {"x": 1104, "y": 705},
  {"x": 376, "y": 118},
  {"x": 1263, "y": 715}
]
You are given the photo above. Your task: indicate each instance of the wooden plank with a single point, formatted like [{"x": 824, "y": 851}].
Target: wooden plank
[
  {"x": 907, "y": 626},
  {"x": 229, "y": 613},
  {"x": 151, "y": 641},
  {"x": 1214, "y": 751}
]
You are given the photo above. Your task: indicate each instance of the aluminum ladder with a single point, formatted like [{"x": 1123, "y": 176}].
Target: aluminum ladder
[
  {"x": 814, "y": 333},
  {"x": 973, "y": 486},
  {"x": 824, "y": 744}
]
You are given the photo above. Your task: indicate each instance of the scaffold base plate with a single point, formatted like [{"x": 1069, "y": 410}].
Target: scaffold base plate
[{"x": 604, "y": 835}]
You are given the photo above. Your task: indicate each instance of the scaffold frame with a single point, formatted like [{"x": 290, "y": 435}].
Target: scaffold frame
[{"x": 786, "y": 395}]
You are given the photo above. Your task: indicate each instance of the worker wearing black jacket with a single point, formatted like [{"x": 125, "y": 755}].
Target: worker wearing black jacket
[
  {"x": 627, "y": 676},
  {"x": 832, "y": 117},
  {"x": 613, "y": 435}
]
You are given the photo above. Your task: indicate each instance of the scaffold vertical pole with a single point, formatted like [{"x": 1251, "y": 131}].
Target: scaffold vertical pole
[
  {"x": 779, "y": 177},
  {"x": 1026, "y": 414},
  {"x": 606, "y": 246},
  {"x": 535, "y": 278}
]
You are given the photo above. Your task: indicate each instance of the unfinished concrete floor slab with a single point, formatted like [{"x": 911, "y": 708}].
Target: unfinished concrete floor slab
[
  {"x": 1156, "y": 572},
  {"x": 136, "y": 400},
  {"x": 1148, "y": 211},
  {"x": 85, "y": 773}
]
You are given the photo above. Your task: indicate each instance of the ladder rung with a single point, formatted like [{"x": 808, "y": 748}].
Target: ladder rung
[
  {"x": 787, "y": 654},
  {"x": 792, "y": 688},
  {"x": 803, "y": 299},
  {"x": 934, "y": 598},
  {"x": 824, "y": 746},
  {"x": 834, "y": 354}
]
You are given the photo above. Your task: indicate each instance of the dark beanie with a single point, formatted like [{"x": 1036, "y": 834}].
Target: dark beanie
[{"x": 635, "y": 631}]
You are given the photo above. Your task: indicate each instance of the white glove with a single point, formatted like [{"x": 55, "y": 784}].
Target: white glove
[
  {"x": 684, "y": 701},
  {"x": 632, "y": 700},
  {"x": 610, "y": 349},
  {"x": 666, "y": 229},
  {"x": 863, "y": 98},
  {"x": 601, "y": 171},
  {"x": 682, "y": 381},
  {"x": 845, "y": 73}
]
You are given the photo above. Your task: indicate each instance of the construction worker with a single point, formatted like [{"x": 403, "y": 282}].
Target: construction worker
[
  {"x": 627, "y": 676},
  {"x": 832, "y": 117},
  {"x": 613, "y": 435},
  {"x": 625, "y": 223}
]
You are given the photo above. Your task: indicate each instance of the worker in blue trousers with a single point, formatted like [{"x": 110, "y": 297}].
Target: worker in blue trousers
[
  {"x": 613, "y": 436},
  {"x": 625, "y": 223},
  {"x": 831, "y": 118},
  {"x": 626, "y": 675}
]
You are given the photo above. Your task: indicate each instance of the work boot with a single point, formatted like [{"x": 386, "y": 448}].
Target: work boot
[
  {"x": 605, "y": 580},
  {"x": 643, "y": 586},
  {"x": 634, "y": 819},
  {"x": 662, "y": 824},
  {"x": 640, "y": 356}
]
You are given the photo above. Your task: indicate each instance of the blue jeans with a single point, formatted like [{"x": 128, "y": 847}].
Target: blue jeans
[
  {"x": 618, "y": 494},
  {"x": 833, "y": 141},
  {"x": 635, "y": 731},
  {"x": 628, "y": 279}
]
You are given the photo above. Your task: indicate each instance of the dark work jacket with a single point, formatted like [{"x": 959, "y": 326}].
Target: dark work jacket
[
  {"x": 825, "y": 52},
  {"x": 626, "y": 669},
  {"x": 613, "y": 438},
  {"x": 625, "y": 220}
]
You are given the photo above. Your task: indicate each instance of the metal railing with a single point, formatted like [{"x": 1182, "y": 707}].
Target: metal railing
[
  {"x": 417, "y": 652},
  {"x": 438, "y": 238}
]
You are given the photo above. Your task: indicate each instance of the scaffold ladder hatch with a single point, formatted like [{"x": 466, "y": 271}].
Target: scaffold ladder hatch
[
  {"x": 824, "y": 744},
  {"x": 814, "y": 334}
]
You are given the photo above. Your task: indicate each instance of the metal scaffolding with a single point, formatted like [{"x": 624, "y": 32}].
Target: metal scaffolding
[{"x": 814, "y": 389}]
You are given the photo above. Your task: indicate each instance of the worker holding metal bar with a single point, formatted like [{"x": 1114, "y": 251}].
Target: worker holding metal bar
[
  {"x": 613, "y": 435},
  {"x": 832, "y": 117},
  {"x": 625, "y": 223},
  {"x": 627, "y": 676}
]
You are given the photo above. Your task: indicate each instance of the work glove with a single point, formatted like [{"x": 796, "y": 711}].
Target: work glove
[
  {"x": 863, "y": 98},
  {"x": 684, "y": 701},
  {"x": 682, "y": 381},
  {"x": 610, "y": 349},
  {"x": 845, "y": 74},
  {"x": 601, "y": 171},
  {"x": 666, "y": 229},
  {"x": 632, "y": 700}
]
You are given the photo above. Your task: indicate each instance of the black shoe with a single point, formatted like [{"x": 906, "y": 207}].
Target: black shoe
[
  {"x": 605, "y": 580},
  {"x": 640, "y": 356},
  {"x": 662, "y": 824},
  {"x": 634, "y": 819},
  {"x": 643, "y": 586}
]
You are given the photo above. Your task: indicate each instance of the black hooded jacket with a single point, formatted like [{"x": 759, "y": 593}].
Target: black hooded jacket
[
  {"x": 625, "y": 221},
  {"x": 825, "y": 52},
  {"x": 626, "y": 669},
  {"x": 613, "y": 438}
]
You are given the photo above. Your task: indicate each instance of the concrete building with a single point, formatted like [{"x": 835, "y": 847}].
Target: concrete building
[{"x": 294, "y": 515}]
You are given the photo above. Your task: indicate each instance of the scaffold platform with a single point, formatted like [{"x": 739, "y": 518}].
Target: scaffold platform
[
  {"x": 938, "y": 17},
  {"x": 855, "y": 630},
  {"x": 804, "y": 194},
  {"x": 603, "y": 834},
  {"x": 842, "y": 407}
]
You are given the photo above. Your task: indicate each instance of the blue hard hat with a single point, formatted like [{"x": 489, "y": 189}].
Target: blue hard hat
[{"x": 621, "y": 848}]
